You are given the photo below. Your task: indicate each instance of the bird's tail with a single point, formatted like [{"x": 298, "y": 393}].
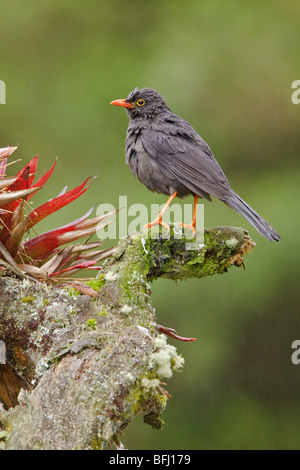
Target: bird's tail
[{"x": 237, "y": 203}]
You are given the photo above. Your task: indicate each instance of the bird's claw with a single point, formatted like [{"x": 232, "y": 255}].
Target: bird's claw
[
  {"x": 190, "y": 226},
  {"x": 157, "y": 222}
]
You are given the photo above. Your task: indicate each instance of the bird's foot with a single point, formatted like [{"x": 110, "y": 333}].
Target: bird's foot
[
  {"x": 157, "y": 221},
  {"x": 190, "y": 226},
  {"x": 170, "y": 332}
]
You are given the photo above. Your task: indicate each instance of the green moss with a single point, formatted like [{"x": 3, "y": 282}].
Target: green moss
[
  {"x": 91, "y": 323},
  {"x": 126, "y": 291},
  {"x": 103, "y": 312},
  {"x": 154, "y": 420},
  {"x": 28, "y": 299},
  {"x": 97, "y": 444},
  {"x": 136, "y": 398},
  {"x": 96, "y": 284},
  {"x": 3, "y": 437},
  {"x": 73, "y": 292},
  {"x": 147, "y": 400}
]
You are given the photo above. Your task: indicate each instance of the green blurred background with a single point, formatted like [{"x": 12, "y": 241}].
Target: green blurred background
[{"x": 227, "y": 67}]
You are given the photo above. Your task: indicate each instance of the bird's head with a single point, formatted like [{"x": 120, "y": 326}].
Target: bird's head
[{"x": 143, "y": 102}]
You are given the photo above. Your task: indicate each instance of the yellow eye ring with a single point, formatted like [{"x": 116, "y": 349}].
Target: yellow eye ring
[{"x": 140, "y": 102}]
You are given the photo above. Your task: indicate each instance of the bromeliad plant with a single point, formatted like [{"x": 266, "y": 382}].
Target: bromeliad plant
[{"x": 42, "y": 257}]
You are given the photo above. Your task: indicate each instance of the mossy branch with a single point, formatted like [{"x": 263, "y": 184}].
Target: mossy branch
[{"x": 75, "y": 370}]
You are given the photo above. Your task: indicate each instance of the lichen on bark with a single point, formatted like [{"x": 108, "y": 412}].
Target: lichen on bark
[{"x": 79, "y": 369}]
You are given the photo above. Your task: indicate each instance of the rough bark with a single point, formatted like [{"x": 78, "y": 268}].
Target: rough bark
[{"x": 75, "y": 370}]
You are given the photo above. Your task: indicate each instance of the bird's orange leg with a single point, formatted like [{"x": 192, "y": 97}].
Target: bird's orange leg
[
  {"x": 193, "y": 224},
  {"x": 157, "y": 220}
]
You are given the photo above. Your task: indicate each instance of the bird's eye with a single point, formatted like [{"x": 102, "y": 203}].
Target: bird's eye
[{"x": 140, "y": 102}]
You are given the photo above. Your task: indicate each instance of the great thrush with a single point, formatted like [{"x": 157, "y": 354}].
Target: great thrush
[{"x": 168, "y": 156}]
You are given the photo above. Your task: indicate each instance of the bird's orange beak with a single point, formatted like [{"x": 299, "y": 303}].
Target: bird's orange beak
[{"x": 123, "y": 103}]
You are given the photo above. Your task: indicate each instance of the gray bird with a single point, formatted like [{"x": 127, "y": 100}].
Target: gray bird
[{"x": 168, "y": 156}]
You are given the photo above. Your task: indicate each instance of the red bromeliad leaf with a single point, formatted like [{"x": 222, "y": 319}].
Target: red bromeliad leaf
[
  {"x": 32, "y": 170},
  {"x": 85, "y": 228},
  {"x": 18, "y": 215},
  {"x": 3, "y": 163},
  {"x": 76, "y": 234},
  {"x": 87, "y": 246},
  {"x": 47, "y": 248},
  {"x": 43, "y": 179},
  {"x": 38, "y": 246},
  {"x": 98, "y": 255},
  {"x": 70, "y": 226},
  {"x": 40, "y": 257},
  {"x": 13, "y": 242},
  {"x": 73, "y": 255},
  {"x": 11, "y": 238},
  {"x": 77, "y": 267},
  {"x": 12, "y": 198},
  {"x": 85, "y": 224},
  {"x": 6, "y": 198},
  {"x": 96, "y": 268},
  {"x": 32, "y": 166},
  {"x": 7, "y": 257},
  {"x": 42, "y": 247},
  {"x": 6, "y": 151},
  {"x": 57, "y": 261},
  {"x": 22, "y": 182},
  {"x": 6, "y": 182},
  {"x": 34, "y": 271},
  {"x": 55, "y": 204}
]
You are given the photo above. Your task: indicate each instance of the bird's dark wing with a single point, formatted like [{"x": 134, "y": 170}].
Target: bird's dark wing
[{"x": 178, "y": 149}]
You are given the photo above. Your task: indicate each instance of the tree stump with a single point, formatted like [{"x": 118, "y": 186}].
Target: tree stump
[{"x": 75, "y": 369}]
